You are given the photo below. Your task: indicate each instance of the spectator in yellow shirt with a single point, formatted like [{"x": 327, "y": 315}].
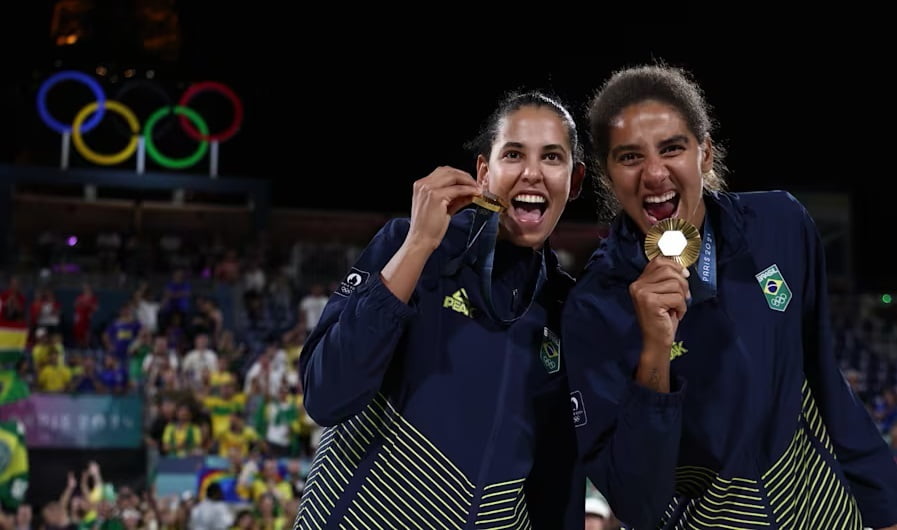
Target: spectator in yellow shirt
[
  {"x": 53, "y": 376},
  {"x": 222, "y": 407},
  {"x": 269, "y": 515},
  {"x": 44, "y": 344},
  {"x": 237, "y": 437},
  {"x": 182, "y": 437},
  {"x": 270, "y": 481}
]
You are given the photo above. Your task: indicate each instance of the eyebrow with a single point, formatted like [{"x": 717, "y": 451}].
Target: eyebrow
[
  {"x": 554, "y": 147},
  {"x": 625, "y": 147},
  {"x": 546, "y": 148},
  {"x": 679, "y": 138}
]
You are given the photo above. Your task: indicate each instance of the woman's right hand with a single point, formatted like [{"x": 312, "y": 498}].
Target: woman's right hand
[
  {"x": 659, "y": 296},
  {"x": 437, "y": 197}
]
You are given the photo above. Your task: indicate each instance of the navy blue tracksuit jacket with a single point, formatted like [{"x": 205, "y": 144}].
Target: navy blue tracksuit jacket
[
  {"x": 772, "y": 437},
  {"x": 436, "y": 415}
]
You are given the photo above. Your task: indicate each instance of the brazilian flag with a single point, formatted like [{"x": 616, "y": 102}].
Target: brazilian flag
[
  {"x": 13, "y": 464},
  {"x": 12, "y": 388},
  {"x": 773, "y": 286}
]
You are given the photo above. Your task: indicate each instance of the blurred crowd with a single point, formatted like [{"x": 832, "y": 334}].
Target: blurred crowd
[
  {"x": 215, "y": 388},
  {"x": 95, "y": 503}
]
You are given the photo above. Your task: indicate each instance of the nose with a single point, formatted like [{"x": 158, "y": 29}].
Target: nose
[
  {"x": 532, "y": 170},
  {"x": 655, "y": 172}
]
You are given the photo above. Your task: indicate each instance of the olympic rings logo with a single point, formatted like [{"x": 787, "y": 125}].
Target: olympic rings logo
[
  {"x": 779, "y": 300},
  {"x": 91, "y": 114}
]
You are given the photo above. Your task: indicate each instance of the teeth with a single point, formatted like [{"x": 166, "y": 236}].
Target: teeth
[
  {"x": 660, "y": 198},
  {"x": 532, "y": 199}
]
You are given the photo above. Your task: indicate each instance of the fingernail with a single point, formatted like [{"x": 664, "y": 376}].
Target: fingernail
[{"x": 685, "y": 272}]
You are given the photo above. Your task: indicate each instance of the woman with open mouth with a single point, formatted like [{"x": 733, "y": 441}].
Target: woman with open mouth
[{"x": 771, "y": 436}]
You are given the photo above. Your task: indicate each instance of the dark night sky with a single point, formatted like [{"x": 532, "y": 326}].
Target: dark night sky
[{"x": 349, "y": 116}]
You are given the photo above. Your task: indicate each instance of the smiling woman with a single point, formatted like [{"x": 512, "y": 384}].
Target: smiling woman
[
  {"x": 746, "y": 328},
  {"x": 460, "y": 302}
]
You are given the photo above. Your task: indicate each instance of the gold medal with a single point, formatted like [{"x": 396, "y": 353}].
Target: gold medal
[
  {"x": 491, "y": 202},
  {"x": 676, "y": 239}
]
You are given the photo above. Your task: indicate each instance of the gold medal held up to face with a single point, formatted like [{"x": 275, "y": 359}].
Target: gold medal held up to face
[
  {"x": 674, "y": 238},
  {"x": 491, "y": 202}
]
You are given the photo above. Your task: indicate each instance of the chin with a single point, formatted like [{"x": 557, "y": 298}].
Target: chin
[
  {"x": 524, "y": 239},
  {"x": 531, "y": 240},
  {"x": 640, "y": 221}
]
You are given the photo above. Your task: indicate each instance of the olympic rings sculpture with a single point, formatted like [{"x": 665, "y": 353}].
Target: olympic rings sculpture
[{"x": 91, "y": 114}]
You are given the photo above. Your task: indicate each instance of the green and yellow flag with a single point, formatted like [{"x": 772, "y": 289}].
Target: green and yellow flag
[
  {"x": 13, "y": 464},
  {"x": 12, "y": 388},
  {"x": 13, "y": 336}
]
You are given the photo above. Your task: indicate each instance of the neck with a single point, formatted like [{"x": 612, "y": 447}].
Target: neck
[
  {"x": 697, "y": 217},
  {"x": 506, "y": 252},
  {"x": 505, "y": 239}
]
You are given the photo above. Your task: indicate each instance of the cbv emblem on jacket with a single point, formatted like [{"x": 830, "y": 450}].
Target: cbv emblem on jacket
[
  {"x": 459, "y": 302},
  {"x": 776, "y": 291},
  {"x": 550, "y": 352}
]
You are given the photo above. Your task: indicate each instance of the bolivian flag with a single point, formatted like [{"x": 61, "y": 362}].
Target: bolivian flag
[{"x": 12, "y": 343}]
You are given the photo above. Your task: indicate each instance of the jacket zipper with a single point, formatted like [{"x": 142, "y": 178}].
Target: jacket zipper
[{"x": 490, "y": 445}]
